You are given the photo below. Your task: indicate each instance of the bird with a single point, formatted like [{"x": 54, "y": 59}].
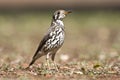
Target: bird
[{"x": 53, "y": 39}]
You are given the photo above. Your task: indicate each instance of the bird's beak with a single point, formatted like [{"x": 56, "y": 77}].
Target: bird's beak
[{"x": 67, "y": 12}]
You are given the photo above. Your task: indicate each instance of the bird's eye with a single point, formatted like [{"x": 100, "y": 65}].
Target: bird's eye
[{"x": 58, "y": 13}]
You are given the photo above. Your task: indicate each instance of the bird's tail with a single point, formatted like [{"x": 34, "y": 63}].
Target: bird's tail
[
  {"x": 35, "y": 57},
  {"x": 32, "y": 62}
]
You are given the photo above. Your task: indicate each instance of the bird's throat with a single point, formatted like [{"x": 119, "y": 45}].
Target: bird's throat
[{"x": 59, "y": 22}]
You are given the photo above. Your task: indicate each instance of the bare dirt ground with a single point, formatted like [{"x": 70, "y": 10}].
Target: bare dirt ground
[{"x": 91, "y": 50}]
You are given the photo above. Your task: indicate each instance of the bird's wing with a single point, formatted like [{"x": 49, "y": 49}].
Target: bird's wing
[
  {"x": 43, "y": 41},
  {"x": 45, "y": 38}
]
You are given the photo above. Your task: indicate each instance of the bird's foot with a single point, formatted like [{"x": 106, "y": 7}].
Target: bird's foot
[
  {"x": 51, "y": 65},
  {"x": 56, "y": 66},
  {"x": 48, "y": 64}
]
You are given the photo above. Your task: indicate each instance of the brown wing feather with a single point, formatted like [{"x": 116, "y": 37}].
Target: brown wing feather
[{"x": 43, "y": 41}]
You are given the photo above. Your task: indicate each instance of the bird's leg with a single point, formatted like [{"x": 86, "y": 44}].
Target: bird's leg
[
  {"x": 47, "y": 60},
  {"x": 54, "y": 63},
  {"x": 56, "y": 66}
]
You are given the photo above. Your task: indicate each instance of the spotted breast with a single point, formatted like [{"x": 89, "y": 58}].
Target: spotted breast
[{"x": 56, "y": 37}]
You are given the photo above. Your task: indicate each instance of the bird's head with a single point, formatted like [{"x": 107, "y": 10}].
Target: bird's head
[{"x": 60, "y": 14}]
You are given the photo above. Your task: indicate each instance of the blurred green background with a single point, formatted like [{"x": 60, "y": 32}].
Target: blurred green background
[
  {"x": 92, "y": 32},
  {"x": 87, "y": 33}
]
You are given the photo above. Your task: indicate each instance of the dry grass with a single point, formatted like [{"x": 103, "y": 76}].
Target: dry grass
[{"x": 91, "y": 50}]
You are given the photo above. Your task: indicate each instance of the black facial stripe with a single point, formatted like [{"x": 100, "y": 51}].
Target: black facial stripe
[
  {"x": 58, "y": 15},
  {"x": 53, "y": 17}
]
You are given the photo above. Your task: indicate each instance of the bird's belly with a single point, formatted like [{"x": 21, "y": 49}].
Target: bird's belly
[{"x": 56, "y": 40}]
